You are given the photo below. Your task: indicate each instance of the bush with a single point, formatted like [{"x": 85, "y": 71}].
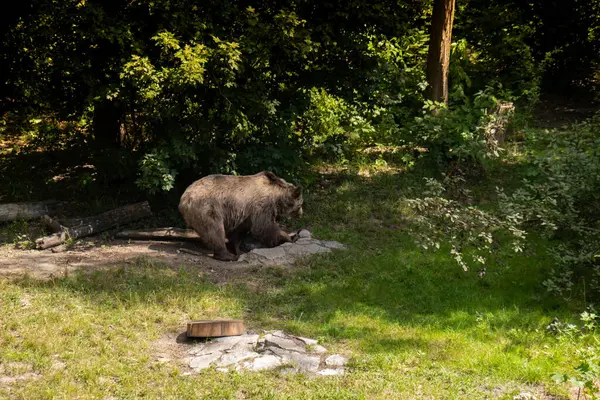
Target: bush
[{"x": 561, "y": 197}]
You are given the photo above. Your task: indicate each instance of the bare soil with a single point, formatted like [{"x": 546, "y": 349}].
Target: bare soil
[{"x": 92, "y": 255}]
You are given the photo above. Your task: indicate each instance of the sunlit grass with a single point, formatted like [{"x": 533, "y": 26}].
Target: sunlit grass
[{"x": 415, "y": 324}]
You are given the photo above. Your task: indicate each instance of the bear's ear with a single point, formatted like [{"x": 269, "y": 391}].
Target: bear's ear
[
  {"x": 272, "y": 177},
  {"x": 297, "y": 191}
]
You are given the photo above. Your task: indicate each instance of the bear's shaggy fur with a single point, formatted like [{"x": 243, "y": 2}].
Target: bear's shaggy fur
[{"x": 220, "y": 207}]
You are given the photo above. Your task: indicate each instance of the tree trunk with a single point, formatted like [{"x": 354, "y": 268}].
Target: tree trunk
[
  {"x": 107, "y": 124},
  {"x": 102, "y": 222},
  {"x": 14, "y": 211},
  {"x": 440, "y": 40}
]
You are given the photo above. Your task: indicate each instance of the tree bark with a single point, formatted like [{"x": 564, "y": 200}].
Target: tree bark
[
  {"x": 161, "y": 234},
  {"x": 107, "y": 124},
  {"x": 52, "y": 224},
  {"x": 440, "y": 40},
  {"x": 14, "y": 211},
  {"x": 100, "y": 223}
]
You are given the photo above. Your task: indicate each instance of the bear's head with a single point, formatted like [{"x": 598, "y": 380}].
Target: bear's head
[
  {"x": 290, "y": 200},
  {"x": 294, "y": 205}
]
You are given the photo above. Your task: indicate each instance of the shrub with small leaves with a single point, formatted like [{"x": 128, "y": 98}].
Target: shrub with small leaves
[{"x": 466, "y": 229}]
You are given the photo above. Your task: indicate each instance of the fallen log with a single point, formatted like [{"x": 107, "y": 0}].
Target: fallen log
[
  {"x": 100, "y": 223},
  {"x": 31, "y": 210},
  {"x": 176, "y": 234},
  {"x": 192, "y": 252},
  {"x": 52, "y": 224}
]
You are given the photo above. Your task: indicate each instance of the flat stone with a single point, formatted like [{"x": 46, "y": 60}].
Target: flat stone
[
  {"x": 308, "y": 341},
  {"x": 234, "y": 358},
  {"x": 331, "y": 372},
  {"x": 307, "y": 250},
  {"x": 336, "y": 360},
  {"x": 204, "y": 361},
  {"x": 264, "y": 363},
  {"x": 266, "y": 256},
  {"x": 302, "y": 361},
  {"x": 271, "y": 254},
  {"x": 331, "y": 244},
  {"x": 318, "y": 349},
  {"x": 245, "y": 344},
  {"x": 303, "y": 241},
  {"x": 284, "y": 343},
  {"x": 217, "y": 345}
]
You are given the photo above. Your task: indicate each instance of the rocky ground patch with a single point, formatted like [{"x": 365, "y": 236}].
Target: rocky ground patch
[{"x": 273, "y": 350}]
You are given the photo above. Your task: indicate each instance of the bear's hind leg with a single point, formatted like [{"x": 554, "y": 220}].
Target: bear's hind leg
[{"x": 214, "y": 232}]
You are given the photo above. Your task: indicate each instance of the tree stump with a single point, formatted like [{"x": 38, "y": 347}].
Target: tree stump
[{"x": 215, "y": 328}]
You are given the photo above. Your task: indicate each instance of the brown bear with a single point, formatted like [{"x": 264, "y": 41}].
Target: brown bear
[{"x": 220, "y": 207}]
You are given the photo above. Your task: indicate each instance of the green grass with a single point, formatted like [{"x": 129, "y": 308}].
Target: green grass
[{"x": 415, "y": 324}]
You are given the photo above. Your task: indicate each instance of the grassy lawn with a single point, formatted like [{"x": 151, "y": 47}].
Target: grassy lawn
[{"x": 415, "y": 324}]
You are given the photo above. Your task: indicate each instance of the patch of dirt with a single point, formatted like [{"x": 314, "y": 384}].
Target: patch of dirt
[
  {"x": 173, "y": 347},
  {"x": 16, "y": 371},
  {"x": 93, "y": 255}
]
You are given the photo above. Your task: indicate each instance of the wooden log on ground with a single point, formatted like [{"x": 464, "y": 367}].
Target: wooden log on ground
[
  {"x": 31, "y": 210},
  {"x": 215, "y": 328},
  {"x": 52, "y": 224},
  {"x": 175, "y": 234},
  {"x": 192, "y": 252},
  {"x": 100, "y": 223},
  {"x": 73, "y": 222}
]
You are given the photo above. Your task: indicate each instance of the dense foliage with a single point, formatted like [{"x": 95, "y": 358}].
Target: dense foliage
[{"x": 236, "y": 87}]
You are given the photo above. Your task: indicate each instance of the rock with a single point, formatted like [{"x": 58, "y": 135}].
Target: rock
[
  {"x": 303, "y": 250},
  {"x": 204, "y": 361},
  {"x": 305, "y": 241},
  {"x": 272, "y": 253},
  {"x": 234, "y": 358},
  {"x": 304, "y": 234},
  {"x": 247, "y": 343},
  {"x": 264, "y": 363},
  {"x": 319, "y": 349},
  {"x": 331, "y": 372},
  {"x": 265, "y": 256},
  {"x": 336, "y": 360},
  {"x": 308, "y": 341},
  {"x": 302, "y": 361},
  {"x": 275, "y": 349},
  {"x": 287, "y": 253},
  {"x": 331, "y": 244},
  {"x": 220, "y": 344},
  {"x": 284, "y": 343}
]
